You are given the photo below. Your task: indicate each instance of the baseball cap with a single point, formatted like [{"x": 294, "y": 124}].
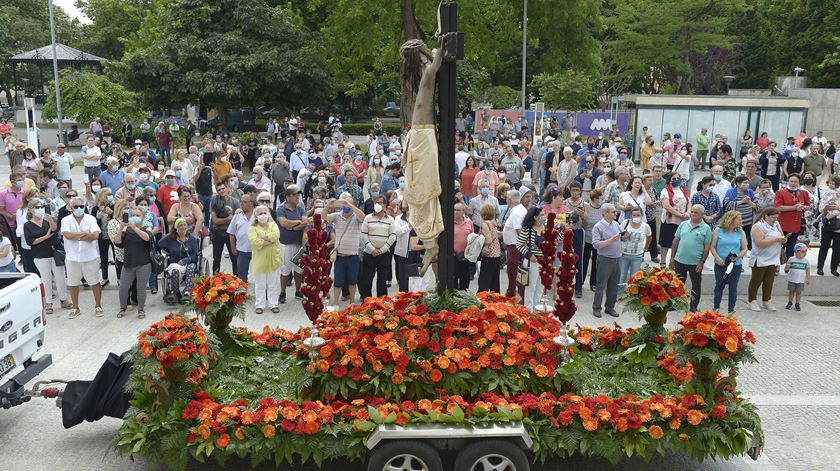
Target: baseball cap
[
  {"x": 169, "y": 173},
  {"x": 800, "y": 246},
  {"x": 677, "y": 136},
  {"x": 138, "y": 141},
  {"x": 292, "y": 190}
]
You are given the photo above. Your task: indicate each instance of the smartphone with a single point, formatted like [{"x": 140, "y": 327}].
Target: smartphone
[{"x": 125, "y": 217}]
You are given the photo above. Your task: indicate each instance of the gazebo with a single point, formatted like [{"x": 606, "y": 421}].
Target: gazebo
[{"x": 43, "y": 57}]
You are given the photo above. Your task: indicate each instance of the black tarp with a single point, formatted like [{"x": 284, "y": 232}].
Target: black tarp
[{"x": 105, "y": 395}]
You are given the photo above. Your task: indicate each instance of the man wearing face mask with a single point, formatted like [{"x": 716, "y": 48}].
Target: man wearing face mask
[
  {"x": 10, "y": 201},
  {"x": 352, "y": 188},
  {"x": 259, "y": 181},
  {"x": 293, "y": 221},
  {"x": 81, "y": 236},
  {"x": 346, "y": 219},
  {"x": 374, "y": 192},
  {"x": 476, "y": 202},
  {"x": 510, "y": 234},
  {"x": 390, "y": 181},
  {"x": 238, "y": 233},
  {"x": 792, "y": 201},
  {"x": 814, "y": 162},
  {"x": 221, "y": 167},
  {"x": 298, "y": 161},
  {"x": 721, "y": 184},
  {"x": 378, "y": 236},
  {"x": 167, "y": 194},
  {"x": 129, "y": 189},
  {"x": 113, "y": 177},
  {"x": 691, "y": 246}
]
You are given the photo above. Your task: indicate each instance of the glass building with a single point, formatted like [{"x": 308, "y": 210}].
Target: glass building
[{"x": 779, "y": 116}]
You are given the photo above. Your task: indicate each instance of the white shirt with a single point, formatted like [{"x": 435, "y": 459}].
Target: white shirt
[
  {"x": 513, "y": 223},
  {"x": 721, "y": 188},
  {"x": 461, "y": 160},
  {"x": 263, "y": 184},
  {"x": 80, "y": 250},
  {"x": 403, "y": 231},
  {"x": 92, "y": 152},
  {"x": 10, "y": 257},
  {"x": 298, "y": 161},
  {"x": 20, "y": 218},
  {"x": 238, "y": 227}
]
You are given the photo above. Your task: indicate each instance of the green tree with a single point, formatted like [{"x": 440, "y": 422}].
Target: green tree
[
  {"x": 111, "y": 23},
  {"x": 502, "y": 96},
  {"x": 565, "y": 90},
  {"x": 225, "y": 54},
  {"x": 85, "y": 95}
]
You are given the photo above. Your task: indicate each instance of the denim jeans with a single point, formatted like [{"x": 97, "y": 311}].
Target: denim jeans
[
  {"x": 629, "y": 265},
  {"x": 731, "y": 283},
  {"x": 205, "y": 203},
  {"x": 93, "y": 172},
  {"x": 243, "y": 264}
]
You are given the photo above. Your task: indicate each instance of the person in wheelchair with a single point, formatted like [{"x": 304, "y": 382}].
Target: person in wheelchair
[{"x": 182, "y": 249}]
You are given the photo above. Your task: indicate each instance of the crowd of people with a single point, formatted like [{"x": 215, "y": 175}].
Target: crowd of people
[{"x": 252, "y": 200}]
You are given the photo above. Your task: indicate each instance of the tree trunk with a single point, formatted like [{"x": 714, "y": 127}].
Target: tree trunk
[{"x": 411, "y": 30}]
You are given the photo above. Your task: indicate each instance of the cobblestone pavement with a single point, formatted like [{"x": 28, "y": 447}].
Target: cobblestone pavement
[{"x": 796, "y": 385}]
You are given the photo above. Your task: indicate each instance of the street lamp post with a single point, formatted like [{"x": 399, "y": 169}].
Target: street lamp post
[
  {"x": 55, "y": 74},
  {"x": 728, "y": 79},
  {"x": 524, "y": 48}
]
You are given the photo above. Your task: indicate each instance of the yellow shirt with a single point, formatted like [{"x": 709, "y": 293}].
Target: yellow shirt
[{"x": 265, "y": 256}]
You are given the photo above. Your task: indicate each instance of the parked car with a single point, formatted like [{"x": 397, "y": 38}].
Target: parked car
[
  {"x": 23, "y": 324},
  {"x": 391, "y": 109}
]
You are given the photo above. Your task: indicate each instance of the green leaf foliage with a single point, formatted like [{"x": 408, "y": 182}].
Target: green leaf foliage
[{"x": 86, "y": 95}]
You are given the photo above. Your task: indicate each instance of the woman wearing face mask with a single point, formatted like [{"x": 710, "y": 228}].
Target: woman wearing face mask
[
  {"x": 675, "y": 205},
  {"x": 634, "y": 197},
  {"x": 528, "y": 245},
  {"x": 91, "y": 191},
  {"x": 764, "y": 196},
  {"x": 103, "y": 211},
  {"x": 41, "y": 233},
  {"x": 742, "y": 199},
  {"x": 468, "y": 174},
  {"x": 771, "y": 164},
  {"x": 709, "y": 200},
  {"x": 135, "y": 240},
  {"x": 360, "y": 168},
  {"x": 182, "y": 249},
  {"x": 264, "y": 236},
  {"x": 22, "y": 215},
  {"x": 374, "y": 173},
  {"x": 811, "y": 225},
  {"x": 830, "y": 234},
  {"x": 221, "y": 168},
  {"x": 635, "y": 240},
  {"x": 187, "y": 209}
]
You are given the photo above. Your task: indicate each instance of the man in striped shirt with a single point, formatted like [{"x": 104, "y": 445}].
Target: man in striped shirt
[
  {"x": 347, "y": 223},
  {"x": 378, "y": 236}
]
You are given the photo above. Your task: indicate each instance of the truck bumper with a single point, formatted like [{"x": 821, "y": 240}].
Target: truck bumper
[{"x": 11, "y": 392}]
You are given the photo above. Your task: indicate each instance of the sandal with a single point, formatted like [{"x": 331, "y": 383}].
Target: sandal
[
  {"x": 275, "y": 309},
  {"x": 259, "y": 310},
  {"x": 141, "y": 314},
  {"x": 121, "y": 314},
  {"x": 48, "y": 309},
  {"x": 66, "y": 305}
]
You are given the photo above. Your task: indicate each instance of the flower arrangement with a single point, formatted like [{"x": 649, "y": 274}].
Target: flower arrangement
[
  {"x": 548, "y": 246},
  {"x": 653, "y": 291},
  {"x": 180, "y": 346},
  {"x": 219, "y": 298},
  {"x": 712, "y": 341},
  {"x": 316, "y": 270},
  {"x": 564, "y": 306},
  {"x": 394, "y": 347}
]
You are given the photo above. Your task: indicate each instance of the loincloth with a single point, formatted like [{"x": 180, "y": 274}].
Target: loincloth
[{"x": 422, "y": 182}]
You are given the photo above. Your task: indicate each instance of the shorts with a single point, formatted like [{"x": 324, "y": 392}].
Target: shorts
[
  {"x": 89, "y": 270},
  {"x": 288, "y": 252},
  {"x": 346, "y": 270},
  {"x": 796, "y": 287}
]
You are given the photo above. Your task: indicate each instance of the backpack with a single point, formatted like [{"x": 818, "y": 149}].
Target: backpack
[{"x": 475, "y": 242}]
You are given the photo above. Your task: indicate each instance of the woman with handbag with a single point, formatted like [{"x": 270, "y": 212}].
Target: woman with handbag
[
  {"x": 40, "y": 232},
  {"x": 528, "y": 245},
  {"x": 830, "y": 236},
  {"x": 491, "y": 253},
  {"x": 135, "y": 239}
]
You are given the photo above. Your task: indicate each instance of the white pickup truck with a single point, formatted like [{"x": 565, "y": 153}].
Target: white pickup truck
[{"x": 22, "y": 328}]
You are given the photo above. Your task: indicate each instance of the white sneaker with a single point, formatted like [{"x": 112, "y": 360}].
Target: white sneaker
[
  {"x": 754, "y": 306},
  {"x": 769, "y": 306}
]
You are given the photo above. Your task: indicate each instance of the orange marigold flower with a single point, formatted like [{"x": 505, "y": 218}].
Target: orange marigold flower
[
  {"x": 656, "y": 432},
  {"x": 731, "y": 344},
  {"x": 436, "y": 376},
  {"x": 590, "y": 424},
  {"x": 397, "y": 378},
  {"x": 542, "y": 371},
  {"x": 268, "y": 431},
  {"x": 223, "y": 441},
  {"x": 695, "y": 417}
]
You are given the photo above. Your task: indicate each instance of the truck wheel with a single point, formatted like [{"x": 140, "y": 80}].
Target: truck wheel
[
  {"x": 401, "y": 455},
  {"x": 492, "y": 455}
]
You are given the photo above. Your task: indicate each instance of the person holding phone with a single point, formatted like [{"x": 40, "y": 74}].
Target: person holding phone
[{"x": 135, "y": 239}]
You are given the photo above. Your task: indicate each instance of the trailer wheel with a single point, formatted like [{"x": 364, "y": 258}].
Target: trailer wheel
[
  {"x": 492, "y": 455},
  {"x": 401, "y": 455}
]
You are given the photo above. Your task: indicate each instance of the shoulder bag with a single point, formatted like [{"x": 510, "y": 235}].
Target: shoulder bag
[{"x": 523, "y": 271}]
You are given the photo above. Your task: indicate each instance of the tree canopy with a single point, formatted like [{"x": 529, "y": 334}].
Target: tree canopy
[{"x": 86, "y": 95}]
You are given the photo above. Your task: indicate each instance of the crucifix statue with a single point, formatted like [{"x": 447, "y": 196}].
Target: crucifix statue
[{"x": 429, "y": 160}]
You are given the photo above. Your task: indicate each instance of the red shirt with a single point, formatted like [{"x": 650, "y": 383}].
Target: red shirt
[
  {"x": 791, "y": 221},
  {"x": 462, "y": 230},
  {"x": 166, "y": 195}
]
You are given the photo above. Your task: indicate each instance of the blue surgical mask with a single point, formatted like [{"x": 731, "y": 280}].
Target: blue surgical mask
[
  {"x": 78, "y": 212},
  {"x": 485, "y": 191},
  {"x": 717, "y": 177},
  {"x": 19, "y": 183},
  {"x": 374, "y": 194},
  {"x": 136, "y": 220},
  {"x": 345, "y": 210},
  {"x": 151, "y": 200},
  {"x": 130, "y": 186},
  {"x": 676, "y": 182},
  {"x": 402, "y": 185},
  {"x": 110, "y": 199}
]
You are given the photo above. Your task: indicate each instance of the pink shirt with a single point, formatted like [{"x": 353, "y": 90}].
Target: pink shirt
[
  {"x": 10, "y": 202},
  {"x": 462, "y": 230}
]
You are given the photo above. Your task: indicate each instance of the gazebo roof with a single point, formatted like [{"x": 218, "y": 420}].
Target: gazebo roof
[{"x": 65, "y": 54}]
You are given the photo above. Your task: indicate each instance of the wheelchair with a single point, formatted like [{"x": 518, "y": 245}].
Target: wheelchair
[{"x": 171, "y": 295}]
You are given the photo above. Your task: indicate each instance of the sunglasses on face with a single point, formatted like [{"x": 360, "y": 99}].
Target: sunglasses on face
[
  {"x": 72, "y": 196},
  {"x": 264, "y": 201},
  {"x": 78, "y": 206},
  {"x": 40, "y": 206}
]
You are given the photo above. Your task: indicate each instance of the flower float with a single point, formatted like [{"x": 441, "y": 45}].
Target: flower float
[
  {"x": 712, "y": 341},
  {"x": 219, "y": 298}
]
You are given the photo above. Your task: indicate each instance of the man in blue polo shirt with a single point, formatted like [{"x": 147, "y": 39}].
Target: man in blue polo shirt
[
  {"x": 691, "y": 245},
  {"x": 113, "y": 177}
]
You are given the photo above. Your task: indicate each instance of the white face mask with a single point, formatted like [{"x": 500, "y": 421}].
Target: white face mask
[
  {"x": 377, "y": 208},
  {"x": 95, "y": 188},
  {"x": 38, "y": 213},
  {"x": 144, "y": 177},
  {"x": 262, "y": 218},
  {"x": 637, "y": 220}
]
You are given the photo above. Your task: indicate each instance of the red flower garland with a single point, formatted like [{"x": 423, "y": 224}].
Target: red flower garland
[
  {"x": 316, "y": 270},
  {"x": 549, "y": 249},
  {"x": 564, "y": 306}
]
